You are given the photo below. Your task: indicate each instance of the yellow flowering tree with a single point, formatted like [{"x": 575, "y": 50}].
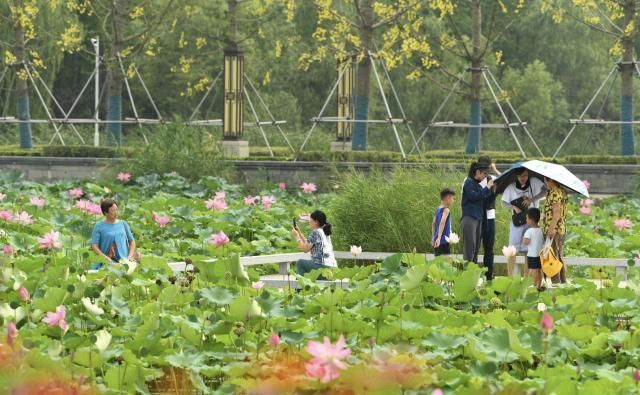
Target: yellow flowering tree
[
  {"x": 617, "y": 19},
  {"x": 32, "y": 24},
  {"x": 127, "y": 28},
  {"x": 352, "y": 28}
]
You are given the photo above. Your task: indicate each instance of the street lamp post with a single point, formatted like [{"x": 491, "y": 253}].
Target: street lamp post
[{"x": 96, "y": 126}]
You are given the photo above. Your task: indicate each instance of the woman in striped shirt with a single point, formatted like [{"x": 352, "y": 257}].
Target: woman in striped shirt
[{"x": 318, "y": 243}]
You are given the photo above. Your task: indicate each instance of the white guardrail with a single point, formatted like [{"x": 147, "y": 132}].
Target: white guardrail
[{"x": 286, "y": 260}]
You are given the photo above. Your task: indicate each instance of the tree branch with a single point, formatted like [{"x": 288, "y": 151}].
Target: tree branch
[
  {"x": 457, "y": 33},
  {"x": 612, "y": 23},
  {"x": 590, "y": 25},
  {"x": 489, "y": 42},
  {"x": 394, "y": 17},
  {"x": 492, "y": 26},
  {"x": 151, "y": 26},
  {"x": 355, "y": 3}
]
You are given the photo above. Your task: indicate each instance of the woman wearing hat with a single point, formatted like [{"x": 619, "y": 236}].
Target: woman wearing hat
[{"x": 473, "y": 194}]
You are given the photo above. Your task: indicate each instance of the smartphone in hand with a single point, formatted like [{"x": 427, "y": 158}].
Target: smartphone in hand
[{"x": 295, "y": 225}]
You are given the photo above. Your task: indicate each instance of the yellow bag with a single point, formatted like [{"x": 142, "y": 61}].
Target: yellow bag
[{"x": 551, "y": 265}]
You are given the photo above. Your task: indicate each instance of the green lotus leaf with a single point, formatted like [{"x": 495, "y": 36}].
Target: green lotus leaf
[
  {"x": 88, "y": 358},
  {"x": 413, "y": 277},
  {"x": 391, "y": 264},
  {"x": 464, "y": 287},
  {"x": 244, "y": 308},
  {"x": 217, "y": 295},
  {"x": 52, "y": 298}
]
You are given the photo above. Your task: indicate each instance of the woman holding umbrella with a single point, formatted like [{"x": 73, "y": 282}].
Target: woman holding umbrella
[
  {"x": 557, "y": 180},
  {"x": 553, "y": 223},
  {"x": 523, "y": 193}
]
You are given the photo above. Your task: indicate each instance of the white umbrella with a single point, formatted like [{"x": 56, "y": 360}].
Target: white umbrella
[{"x": 556, "y": 172}]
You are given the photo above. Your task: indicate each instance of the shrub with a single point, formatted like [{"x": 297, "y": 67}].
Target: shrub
[
  {"x": 191, "y": 152},
  {"x": 393, "y": 212},
  {"x": 85, "y": 151}
]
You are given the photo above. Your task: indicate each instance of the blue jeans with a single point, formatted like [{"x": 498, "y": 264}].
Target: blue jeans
[{"x": 304, "y": 266}]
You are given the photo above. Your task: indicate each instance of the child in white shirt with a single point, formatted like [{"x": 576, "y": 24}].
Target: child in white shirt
[{"x": 534, "y": 240}]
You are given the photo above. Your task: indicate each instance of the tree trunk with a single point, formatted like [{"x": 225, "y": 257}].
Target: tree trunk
[
  {"x": 22, "y": 89},
  {"x": 475, "y": 116},
  {"x": 627, "y": 71},
  {"x": 114, "y": 74},
  {"x": 363, "y": 78}
]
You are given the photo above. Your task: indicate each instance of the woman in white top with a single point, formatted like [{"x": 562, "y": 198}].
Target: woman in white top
[
  {"x": 318, "y": 243},
  {"x": 519, "y": 196}
]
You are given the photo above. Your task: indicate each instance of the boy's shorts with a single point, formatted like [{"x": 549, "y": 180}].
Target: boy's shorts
[
  {"x": 533, "y": 262},
  {"x": 443, "y": 249}
]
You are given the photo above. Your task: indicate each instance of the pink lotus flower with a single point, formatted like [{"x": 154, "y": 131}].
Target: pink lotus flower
[
  {"x": 57, "y": 318},
  {"x": 587, "y": 184},
  {"x": 274, "y": 340},
  {"x": 160, "y": 220},
  {"x": 2, "y": 196},
  {"x": 124, "y": 177},
  {"x": 586, "y": 202},
  {"x": 251, "y": 200},
  {"x": 38, "y": 202},
  {"x": 89, "y": 207},
  {"x": 267, "y": 201},
  {"x": 637, "y": 259},
  {"x": 221, "y": 195},
  {"x": 12, "y": 333},
  {"x": 76, "y": 192},
  {"x": 24, "y": 294},
  {"x": 219, "y": 239},
  {"x": 282, "y": 186},
  {"x": 50, "y": 240},
  {"x": 437, "y": 391},
  {"x": 24, "y": 218},
  {"x": 546, "y": 324},
  {"x": 7, "y": 249},
  {"x": 93, "y": 209},
  {"x": 308, "y": 187},
  {"x": 257, "y": 285},
  {"x": 327, "y": 359},
  {"x": 217, "y": 204},
  {"x": 585, "y": 210},
  {"x": 622, "y": 223},
  {"x": 636, "y": 375},
  {"x": 6, "y": 215}
]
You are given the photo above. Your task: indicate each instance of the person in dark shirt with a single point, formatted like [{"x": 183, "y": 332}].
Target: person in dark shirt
[
  {"x": 472, "y": 202},
  {"x": 489, "y": 219}
]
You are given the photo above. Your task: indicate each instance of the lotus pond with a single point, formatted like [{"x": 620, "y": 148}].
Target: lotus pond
[{"x": 403, "y": 325}]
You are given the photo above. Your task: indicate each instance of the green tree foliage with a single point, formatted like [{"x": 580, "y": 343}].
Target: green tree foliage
[
  {"x": 539, "y": 98},
  {"x": 549, "y": 69}
]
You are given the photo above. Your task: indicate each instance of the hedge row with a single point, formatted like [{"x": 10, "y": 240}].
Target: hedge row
[{"x": 284, "y": 153}]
